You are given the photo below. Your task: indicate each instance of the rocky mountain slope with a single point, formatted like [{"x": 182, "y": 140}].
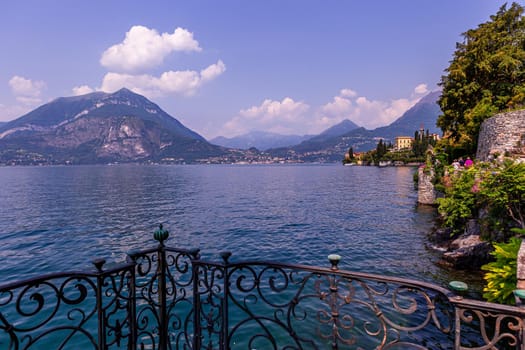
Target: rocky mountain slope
[{"x": 100, "y": 127}]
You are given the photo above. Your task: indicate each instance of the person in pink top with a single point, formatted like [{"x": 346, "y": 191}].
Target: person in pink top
[{"x": 468, "y": 162}]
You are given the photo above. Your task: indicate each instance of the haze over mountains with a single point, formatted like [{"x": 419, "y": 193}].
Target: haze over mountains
[
  {"x": 261, "y": 140},
  {"x": 126, "y": 127}
]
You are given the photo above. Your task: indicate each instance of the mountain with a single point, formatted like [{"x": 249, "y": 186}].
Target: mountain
[
  {"x": 422, "y": 115},
  {"x": 342, "y": 128},
  {"x": 339, "y": 129},
  {"x": 259, "y": 139},
  {"x": 100, "y": 128},
  {"x": 330, "y": 149}
]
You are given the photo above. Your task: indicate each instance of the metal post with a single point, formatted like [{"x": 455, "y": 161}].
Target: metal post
[
  {"x": 457, "y": 328},
  {"x": 99, "y": 263},
  {"x": 197, "y": 331},
  {"x": 334, "y": 261},
  {"x": 161, "y": 235},
  {"x": 161, "y": 275},
  {"x": 132, "y": 304},
  {"x": 224, "y": 304}
]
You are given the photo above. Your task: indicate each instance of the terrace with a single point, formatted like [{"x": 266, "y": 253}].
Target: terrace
[{"x": 168, "y": 298}]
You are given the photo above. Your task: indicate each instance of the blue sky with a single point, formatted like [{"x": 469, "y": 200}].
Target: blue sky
[{"x": 228, "y": 67}]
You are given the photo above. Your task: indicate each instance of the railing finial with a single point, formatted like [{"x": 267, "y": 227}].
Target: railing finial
[
  {"x": 99, "y": 263},
  {"x": 161, "y": 235},
  {"x": 334, "y": 260},
  {"x": 459, "y": 287},
  {"x": 225, "y": 256}
]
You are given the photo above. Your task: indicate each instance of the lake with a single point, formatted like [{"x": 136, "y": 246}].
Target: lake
[{"x": 60, "y": 218}]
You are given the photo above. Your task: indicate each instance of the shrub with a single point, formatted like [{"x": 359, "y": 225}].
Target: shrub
[
  {"x": 459, "y": 203},
  {"x": 501, "y": 274},
  {"x": 493, "y": 193}
]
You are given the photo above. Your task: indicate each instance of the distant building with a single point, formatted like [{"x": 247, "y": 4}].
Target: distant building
[
  {"x": 435, "y": 137},
  {"x": 403, "y": 142}
]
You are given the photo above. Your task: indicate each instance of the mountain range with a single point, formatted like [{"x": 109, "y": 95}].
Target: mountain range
[
  {"x": 261, "y": 140},
  {"x": 126, "y": 127},
  {"x": 329, "y": 148}
]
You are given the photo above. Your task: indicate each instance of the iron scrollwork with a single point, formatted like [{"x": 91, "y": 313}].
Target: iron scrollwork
[
  {"x": 56, "y": 311},
  {"x": 165, "y": 298}
]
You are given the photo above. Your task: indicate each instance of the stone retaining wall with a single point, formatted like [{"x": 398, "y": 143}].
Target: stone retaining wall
[
  {"x": 505, "y": 132},
  {"x": 426, "y": 194}
]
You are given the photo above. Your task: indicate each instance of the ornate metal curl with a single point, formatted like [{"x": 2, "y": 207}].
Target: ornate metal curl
[{"x": 165, "y": 298}]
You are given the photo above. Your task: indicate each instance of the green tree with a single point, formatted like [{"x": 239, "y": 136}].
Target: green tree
[
  {"x": 381, "y": 150},
  {"x": 421, "y": 142},
  {"x": 485, "y": 76}
]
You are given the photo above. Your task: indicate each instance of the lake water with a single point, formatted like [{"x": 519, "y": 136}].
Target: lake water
[{"x": 60, "y": 218}]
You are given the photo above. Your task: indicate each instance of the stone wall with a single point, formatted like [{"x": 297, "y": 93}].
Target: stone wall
[
  {"x": 426, "y": 194},
  {"x": 505, "y": 132}
]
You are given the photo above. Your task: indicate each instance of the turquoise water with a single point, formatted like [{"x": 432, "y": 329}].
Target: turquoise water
[{"x": 60, "y": 218}]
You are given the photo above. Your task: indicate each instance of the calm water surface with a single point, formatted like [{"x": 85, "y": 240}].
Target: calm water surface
[{"x": 60, "y": 218}]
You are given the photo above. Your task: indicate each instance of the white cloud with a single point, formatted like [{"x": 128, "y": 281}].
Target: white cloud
[
  {"x": 366, "y": 112},
  {"x": 421, "y": 89},
  {"x": 82, "y": 90},
  {"x": 291, "y": 117},
  {"x": 276, "y": 116},
  {"x": 145, "y": 48},
  {"x": 348, "y": 93},
  {"x": 26, "y": 90},
  {"x": 172, "y": 82},
  {"x": 340, "y": 105},
  {"x": 213, "y": 71}
]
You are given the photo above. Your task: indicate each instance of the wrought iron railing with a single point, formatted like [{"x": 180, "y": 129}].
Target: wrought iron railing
[{"x": 165, "y": 298}]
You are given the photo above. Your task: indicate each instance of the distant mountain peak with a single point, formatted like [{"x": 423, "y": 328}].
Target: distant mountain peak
[
  {"x": 96, "y": 127},
  {"x": 340, "y": 128},
  {"x": 431, "y": 97},
  {"x": 125, "y": 92}
]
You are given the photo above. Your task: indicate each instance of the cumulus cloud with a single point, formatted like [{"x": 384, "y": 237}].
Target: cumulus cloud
[
  {"x": 291, "y": 117},
  {"x": 145, "y": 48},
  {"x": 275, "y": 116},
  {"x": 26, "y": 90},
  {"x": 348, "y": 93},
  {"x": 82, "y": 90},
  {"x": 421, "y": 89},
  {"x": 213, "y": 71},
  {"x": 364, "y": 111},
  {"x": 172, "y": 82}
]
